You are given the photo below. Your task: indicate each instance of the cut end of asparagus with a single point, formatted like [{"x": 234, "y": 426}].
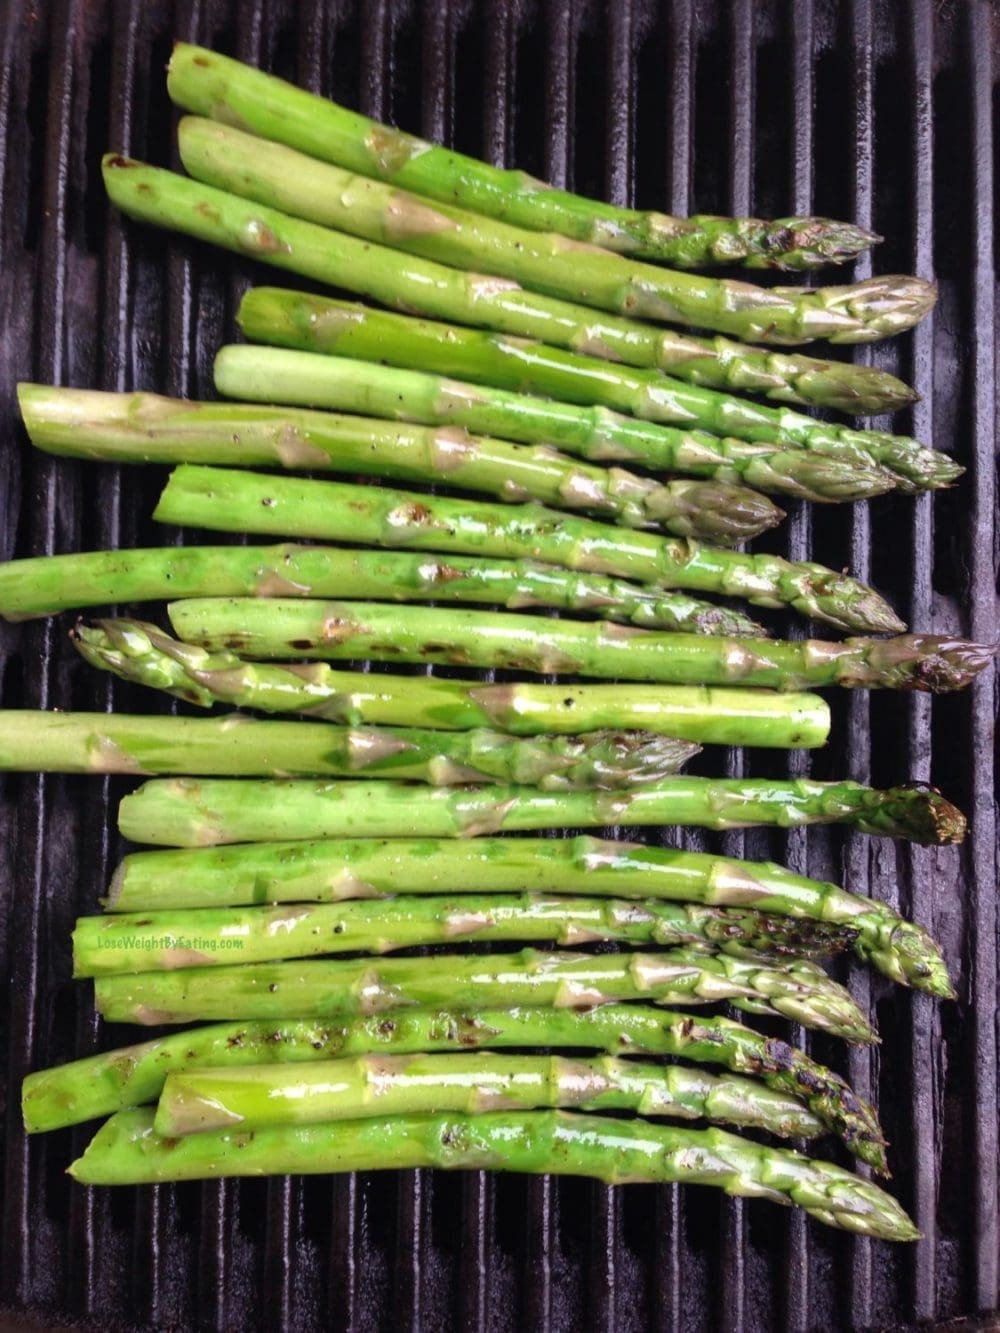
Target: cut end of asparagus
[
  {"x": 799, "y": 244},
  {"x": 882, "y": 306}
]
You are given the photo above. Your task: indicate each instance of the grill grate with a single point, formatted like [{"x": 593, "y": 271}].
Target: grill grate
[{"x": 883, "y": 110}]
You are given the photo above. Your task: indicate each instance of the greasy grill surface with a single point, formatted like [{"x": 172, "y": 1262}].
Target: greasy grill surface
[{"x": 882, "y": 110}]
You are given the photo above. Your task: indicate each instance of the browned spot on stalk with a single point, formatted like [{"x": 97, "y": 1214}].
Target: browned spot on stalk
[
  {"x": 450, "y": 447},
  {"x": 391, "y": 149},
  {"x": 173, "y": 958},
  {"x": 407, "y": 216},
  {"x": 107, "y": 756},
  {"x": 256, "y": 238},
  {"x": 295, "y": 450},
  {"x": 273, "y": 584}
]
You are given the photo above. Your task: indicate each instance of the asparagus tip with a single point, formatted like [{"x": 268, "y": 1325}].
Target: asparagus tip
[
  {"x": 831, "y": 242},
  {"x": 884, "y": 306},
  {"x": 919, "y": 812},
  {"x": 801, "y": 243},
  {"x": 920, "y": 961},
  {"x": 826, "y": 479},
  {"x": 937, "y": 664},
  {"x": 857, "y": 390}
]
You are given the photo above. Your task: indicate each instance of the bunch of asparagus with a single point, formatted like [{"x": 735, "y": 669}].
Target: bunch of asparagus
[{"x": 608, "y": 449}]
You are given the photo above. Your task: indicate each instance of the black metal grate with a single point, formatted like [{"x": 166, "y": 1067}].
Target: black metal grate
[{"x": 882, "y": 109}]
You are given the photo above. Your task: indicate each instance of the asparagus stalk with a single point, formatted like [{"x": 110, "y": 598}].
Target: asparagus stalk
[
  {"x": 208, "y": 937},
  {"x": 212, "y": 85},
  {"x": 126, "y": 1150},
  {"x": 273, "y": 175},
  {"x": 342, "y": 989},
  {"x": 294, "y": 628},
  {"x": 313, "y": 323},
  {"x": 101, "y": 1084},
  {"x": 142, "y": 427},
  {"x": 142, "y": 653},
  {"x": 312, "y": 379},
  {"x": 227, "y": 500},
  {"x": 381, "y": 1085},
  {"x": 333, "y": 871},
  {"x": 246, "y": 434},
  {"x": 43, "y": 585},
  {"x": 238, "y": 746},
  {"x": 160, "y": 197},
  {"x": 181, "y": 812}
]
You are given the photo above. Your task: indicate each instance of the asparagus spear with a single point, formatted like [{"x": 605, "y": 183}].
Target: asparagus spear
[
  {"x": 212, "y": 85},
  {"x": 381, "y": 1085},
  {"x": 101, "y": 1084},
  {"x": 178, "y": 812},
  {"x": 126, "y": 1150},
  {"x": 227, "y": 500},
  {"x": 273, "y": 175},
  {"x": 312, "y": 379},
  {"x": 342, "y": 989},
  {"x": 300, "y": 627},
  {"x": 43, "y": 585},
  {"x": 208, "y": 937},
  {"x": 168, "y": 200},
  {"x": 314, "y": 323},
  {"x": 178, "y": 431},
  {"x": 142, "y": 427},
  {"x": 332, "y": 871},
  {"x": 143, "y": 653},
  {"x": 40, "y": 742}
]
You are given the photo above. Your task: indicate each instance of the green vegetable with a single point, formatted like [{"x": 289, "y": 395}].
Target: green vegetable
[
  {"x": 383, "y": 1085},
  {"x": 42, "y": 585},
  {"x": 143, "y": 653},
  {"x": 342, "y": 989},
  {"x": 213, "y": 85},
  {"x": 178, "y": 812},
  {"x": 278, "y": 177},
  {"x": 332, "y": 871},
  {"x": 227, "y": 500},
  {"x": 175, "y": 430},
  {"x": 127, "y": 1151},
  {"x": 215, "y": 936},
  {"x": 39, "y": 742},
  {"x": 311, "y": 379},
  {"x": 101, "y": 1084},
  {"x": 293, "y": 628},
  {"x": 165, "y": 199},
  {"x": 313, "y": 323}
]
